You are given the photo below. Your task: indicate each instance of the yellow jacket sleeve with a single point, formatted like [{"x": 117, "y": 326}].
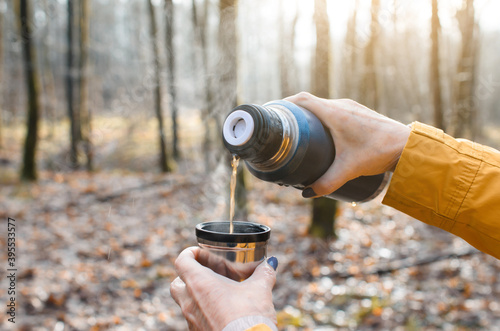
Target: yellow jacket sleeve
[
  {"x": 453, "y": 184},
  {"x": 251, "y": 323},
  {"x": 259, "y": 327}
]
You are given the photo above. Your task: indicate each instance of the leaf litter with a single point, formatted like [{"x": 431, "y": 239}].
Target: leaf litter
[{"x": 96, "y": 252}]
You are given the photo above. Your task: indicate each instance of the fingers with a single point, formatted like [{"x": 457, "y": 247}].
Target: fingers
[
  {"x": 315, "y": 105},
  {"x": 336, "y": 176},
  {"x": 349, "y": 124},
  {"x": 178, "y": 291},
  {"x": 302, "y": 98},
  {"x": 204, "y": 257},
  {"x": 187, "y": 266},
  {"x": 265, "y": 274}
]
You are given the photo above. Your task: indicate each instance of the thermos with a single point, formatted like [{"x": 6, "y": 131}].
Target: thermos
[{"x": 283, "y": 143}]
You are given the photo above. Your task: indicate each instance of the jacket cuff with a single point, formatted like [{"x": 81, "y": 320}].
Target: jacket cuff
[{"x": 251, "y": 323}]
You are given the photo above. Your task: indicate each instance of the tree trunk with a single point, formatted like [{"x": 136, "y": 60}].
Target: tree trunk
[
  {"x": 84, "y": 110},
  {"x": 283, "y": 58},
  {"x": 48, "y": 84},
  {"x": 323, "y": 209},
  {"x": 351, "y": 56},
  {"x": 1, "y": 74},
  {"x": 435, "y": 77},
  {"x": 207, "y": 107},
  {"x": 286, "y": 51},
  {"x": 227, "y": 66},
  {"x": 323, "y": 218},
  {"x": 321, "y": 65},
  {"x": 14, "y": 68},
  {"x": 228, "y": 45},
  {"x": 465, "y": 112},
  {"x": 32, "y": 87},
  {"x": 169, "y": 37},
  {"x": 369, "y": 90},
  {"x": 73, "y": 118},
  {"x": 164, "y": 166}
]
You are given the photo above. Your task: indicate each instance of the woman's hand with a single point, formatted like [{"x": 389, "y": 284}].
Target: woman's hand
[
  {"x": 366, "y": 142},
  {"x": 210, "y": 301}
]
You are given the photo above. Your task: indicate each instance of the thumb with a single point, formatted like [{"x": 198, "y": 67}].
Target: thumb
[{"x": 265, "y": 274}]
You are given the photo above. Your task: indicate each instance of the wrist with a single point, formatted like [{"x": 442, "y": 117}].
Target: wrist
[{"x": 399, "y": 140}]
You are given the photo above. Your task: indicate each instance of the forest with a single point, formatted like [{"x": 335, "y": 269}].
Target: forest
[{"x": 111, "y": 152}]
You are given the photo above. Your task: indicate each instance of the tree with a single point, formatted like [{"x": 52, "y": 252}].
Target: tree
[
  {"x": 169, "y": 36},
  {"x": 286, "y": 51},
  {"x": 32, "y": 87},
  {"x": 351, "y": 50},
  {"x": 73, "y": 118},
  {"x": 227, "y": 66},
  {"x": 435, "y": 76},
  {"x": 48, "y": 84},
  {"x": 83, "y": 109},
  {"x": 369, "y": 88},
  {"x": 164, "y": 166},
  {"x": 228, "y": 45},
  {"x": 323, "y": 209},
  {"x": 321, "y": 66},
  {"x": 1, "y": 71},
  {"x": 465, "y": 116},
  {"x": 207, "y": 108}
]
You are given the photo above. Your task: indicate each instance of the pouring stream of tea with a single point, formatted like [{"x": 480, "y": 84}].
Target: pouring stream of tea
[{"x": 234, "y": 164}]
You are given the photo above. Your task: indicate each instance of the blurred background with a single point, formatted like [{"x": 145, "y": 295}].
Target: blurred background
[{"x": 110, "y": 154}]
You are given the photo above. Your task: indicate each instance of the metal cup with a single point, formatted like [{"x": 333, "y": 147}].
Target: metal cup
[{"x": 234, "y": 255}]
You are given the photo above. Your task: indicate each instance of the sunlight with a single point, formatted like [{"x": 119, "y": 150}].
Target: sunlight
[{"x": 488, "y": 12}]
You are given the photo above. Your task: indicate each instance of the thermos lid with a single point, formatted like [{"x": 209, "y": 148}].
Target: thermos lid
[
  {"x": 238, "y": 128},
  {"x": 244, "y": 232}
]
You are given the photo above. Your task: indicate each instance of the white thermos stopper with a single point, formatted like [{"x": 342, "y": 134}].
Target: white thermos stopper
[{"x": 238, "y": 128}]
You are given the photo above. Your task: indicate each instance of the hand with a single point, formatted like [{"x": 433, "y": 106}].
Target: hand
[
  {"x": 210, "y": 301},
  {"x": 366, "y": 142}
]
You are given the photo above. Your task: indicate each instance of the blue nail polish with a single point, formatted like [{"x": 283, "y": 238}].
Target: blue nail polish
[
  {"x": 308, "y": 193},
  {"x": 273, "y": 262}
]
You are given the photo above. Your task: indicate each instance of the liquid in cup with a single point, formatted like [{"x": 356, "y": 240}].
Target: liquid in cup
[{"x": 234, "y": 255}]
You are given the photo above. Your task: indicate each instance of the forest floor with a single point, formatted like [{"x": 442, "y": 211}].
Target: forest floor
[{"x": 96, "y": 252}]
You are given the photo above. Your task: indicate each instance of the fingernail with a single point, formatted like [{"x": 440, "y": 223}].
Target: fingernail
[
  {"x": 308, "y": 193},
  {"x": 273, "y": 262}
]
